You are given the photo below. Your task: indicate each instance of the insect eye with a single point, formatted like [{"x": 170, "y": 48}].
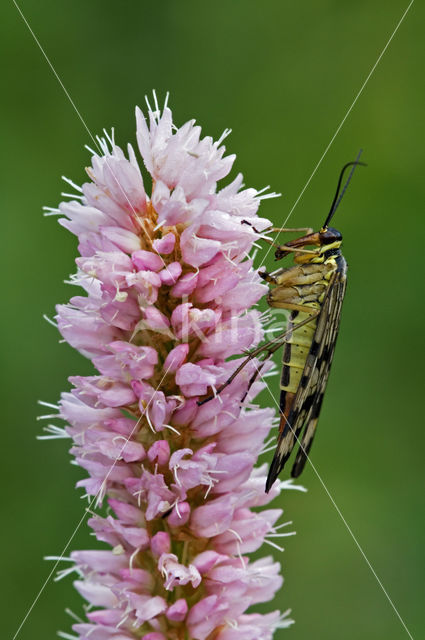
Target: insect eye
[{"x": 330, "y": 235}]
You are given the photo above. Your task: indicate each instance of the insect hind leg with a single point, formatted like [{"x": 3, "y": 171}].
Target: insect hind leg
[
  {"x": 257, "y": 371},
  {"x": 269, "y": 348}
]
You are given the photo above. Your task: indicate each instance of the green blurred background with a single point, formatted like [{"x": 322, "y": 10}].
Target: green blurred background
[{"x": 282, "y": 75}]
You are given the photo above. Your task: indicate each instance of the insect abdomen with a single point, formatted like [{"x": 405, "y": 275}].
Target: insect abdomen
[{"x": 295, "y": 352}]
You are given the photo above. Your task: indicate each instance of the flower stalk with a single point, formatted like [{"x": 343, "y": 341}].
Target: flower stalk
[{"x": 168, "y": 289}]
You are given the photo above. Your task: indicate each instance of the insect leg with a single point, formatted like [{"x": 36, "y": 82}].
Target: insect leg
[
  {"x": 269, "y": 348},
  {"x": 257, "y": 371},
  {"x": 306, "y": 230}
]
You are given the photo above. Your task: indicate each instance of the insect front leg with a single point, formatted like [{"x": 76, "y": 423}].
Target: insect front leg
[{"x": 304, "y": 230}]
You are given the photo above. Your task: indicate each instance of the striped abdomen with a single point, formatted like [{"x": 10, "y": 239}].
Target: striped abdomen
[{"x": 295, "y": 351}]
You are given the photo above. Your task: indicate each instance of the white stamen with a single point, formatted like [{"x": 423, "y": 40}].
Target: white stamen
[
  {"x": 72, "y": 195},
  {"x": 176, "y": 506},
  {"x": 259, "y": 191},
  {"x": 75, "y": 186},
  {"x": 176, "y": 476},
  {"x": 269, "y": 374},
  {"x": 67, "y": 636},
  {"x": 285, "y": 524},
  {"x": 223, "y": 136},
  {"x": 48, "y": 404},
  {"x": 269, "y": 195},
  {"x": 64, "y": 573},
  {"x": 210, "y": 486},
  {"x": 50, "y": 211},
  {"x": 132, "y": 557},
  {"x": 168, "y": 426},
  {"x": 123, "y": 620},
  {"x": 238, "y": 543},
  {"x": 271, "y": 448},
  {"x": 47, "y": 417},
  {"x": 156, "y": 101},
  {"x": 73, "y": 615},
  {"x": 56, "y": 432},
  {"x": 101, "y": 143},
  {"x": 149, "y": 421},
  {"x": 232, "y": 624},
  {"x": 282, "y": 623},
  {"x": 159, "y": 225},
  {"x": 272, "y": 544},
  {"x": 148, "y": 105},
  {"x": 50, "y": 321},
  {"x": 110, "y": 138},
  {"x": 101, "y": 494},
  {"x": 254, "y": 255},
  {"x": 94, "y": 153},
  {"x": 267, "y": 444},
  {"x": 288, "y": 484}
]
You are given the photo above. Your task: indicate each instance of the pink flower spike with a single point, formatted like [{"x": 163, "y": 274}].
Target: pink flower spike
[{"x": 167, "y": 286}]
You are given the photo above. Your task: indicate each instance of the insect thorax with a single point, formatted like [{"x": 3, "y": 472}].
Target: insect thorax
[{"x": 303, "y": 285}]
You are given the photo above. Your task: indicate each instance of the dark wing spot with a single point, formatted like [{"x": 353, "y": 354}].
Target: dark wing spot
[
  {"x": 314, "y": 350},
  {"x": 304, "y": 380}
]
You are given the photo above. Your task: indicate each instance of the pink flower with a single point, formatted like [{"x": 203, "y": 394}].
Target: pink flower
[{"x": 167, "y": 288}]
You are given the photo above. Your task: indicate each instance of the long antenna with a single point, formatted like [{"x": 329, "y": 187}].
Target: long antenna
[{"x": 337, "y": 199}]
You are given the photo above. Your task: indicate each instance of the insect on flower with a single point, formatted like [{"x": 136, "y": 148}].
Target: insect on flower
[{"x": 313, "y": 291}]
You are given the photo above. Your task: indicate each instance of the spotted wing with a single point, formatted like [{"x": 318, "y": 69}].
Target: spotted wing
[
  {"x": 309, "y": 396},
  {"x": 323, "y": 365}
]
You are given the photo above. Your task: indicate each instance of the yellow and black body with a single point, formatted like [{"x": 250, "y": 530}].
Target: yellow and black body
[{"x": 313, "y": 290}]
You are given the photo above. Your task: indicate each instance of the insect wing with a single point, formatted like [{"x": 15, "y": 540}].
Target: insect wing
[
  {"x": 308, "y": 399},
  {"x": 323, "y": 365}
]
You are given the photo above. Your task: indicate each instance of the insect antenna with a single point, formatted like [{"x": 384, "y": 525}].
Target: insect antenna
[{"x": 338, "y": 197}]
